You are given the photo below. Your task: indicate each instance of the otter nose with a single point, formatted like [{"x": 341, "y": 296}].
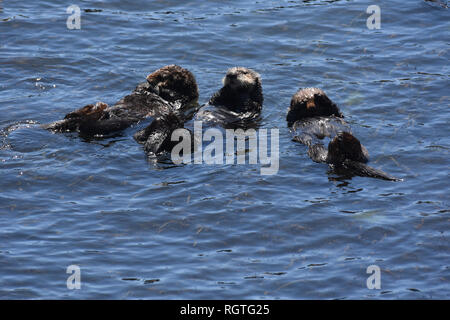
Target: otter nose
[{"x": 232, "y": 76}]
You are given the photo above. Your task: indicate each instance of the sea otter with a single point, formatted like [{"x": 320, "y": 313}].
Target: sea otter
[
  {"x": 310, "y": 103},
  {"x": 347, "y": 156},
  {"x": 238, "y": 102},
  {"x": 312, "y": 116},
  {"x": 169, "y": 89}
]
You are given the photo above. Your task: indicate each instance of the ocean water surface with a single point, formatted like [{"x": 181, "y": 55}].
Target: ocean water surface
[{"x": 139, "y": 229}]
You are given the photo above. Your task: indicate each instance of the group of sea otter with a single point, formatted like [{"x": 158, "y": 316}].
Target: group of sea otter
[{"x": 170, "y": 96}]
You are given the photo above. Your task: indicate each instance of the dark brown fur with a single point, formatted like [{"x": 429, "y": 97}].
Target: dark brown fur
[
  {"x": 311, "y": 102},
  {"x": 316, "y": 117},
  {"x": 347, "y": 156},
  {"x": 174, "y": 83},
  {"x": 156, "y": 137},
  {"x": 166, "y": 90},
  {"x": 346, "y": 146},
  {"x": 241, "y": 92}
]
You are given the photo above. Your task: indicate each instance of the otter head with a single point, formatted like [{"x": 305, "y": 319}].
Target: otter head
[
  {"x": 174, "y": 83},
  {"x": 240, "y": 78},
  {"x": 346, "y": 147},
  {"x": 311, "y": 102}
]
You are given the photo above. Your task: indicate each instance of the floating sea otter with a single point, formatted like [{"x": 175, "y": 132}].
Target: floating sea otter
[
  {"x": 314, "y": 116},
  {"x": 238, "y": 102},
  {"x": 167, "y": 90},
  {"x": 347, "y": 156}
]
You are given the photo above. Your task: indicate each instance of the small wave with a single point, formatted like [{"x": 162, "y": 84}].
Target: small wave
[
  {"x": 443, "y": 4},
  {"x": 6, "y": 131}
]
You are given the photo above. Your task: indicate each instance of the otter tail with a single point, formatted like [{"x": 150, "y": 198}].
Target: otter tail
[{"x": 363, "y": 170}]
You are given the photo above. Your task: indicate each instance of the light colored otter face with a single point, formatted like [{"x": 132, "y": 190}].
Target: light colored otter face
[
  {"x": 239, "y": 77},
  {"x": 305, "y": 98}
]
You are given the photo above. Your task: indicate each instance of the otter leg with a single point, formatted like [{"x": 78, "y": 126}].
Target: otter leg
[
  {"x": 303, "y": 138},
  {"x": 73, "y": 120},
  {"x": 142, "y": 135},
  {"x": 157, "y": 136},
  {"x": 66, "y": 125},
  {"x": 159, "y": 139}
]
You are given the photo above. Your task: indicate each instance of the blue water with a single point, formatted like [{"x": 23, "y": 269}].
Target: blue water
[{"x": 142, "y": 229}]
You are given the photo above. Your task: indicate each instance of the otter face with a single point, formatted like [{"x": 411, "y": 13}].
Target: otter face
[
  {"x": 346, "y": 146},
  {"x": 240, "y": 78},
  {"x": 305, "y": 98},
  {"x": 311, "y": 102},
  {"x": 241, "y": 92},
  {"x": 174, "y": 83}
]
